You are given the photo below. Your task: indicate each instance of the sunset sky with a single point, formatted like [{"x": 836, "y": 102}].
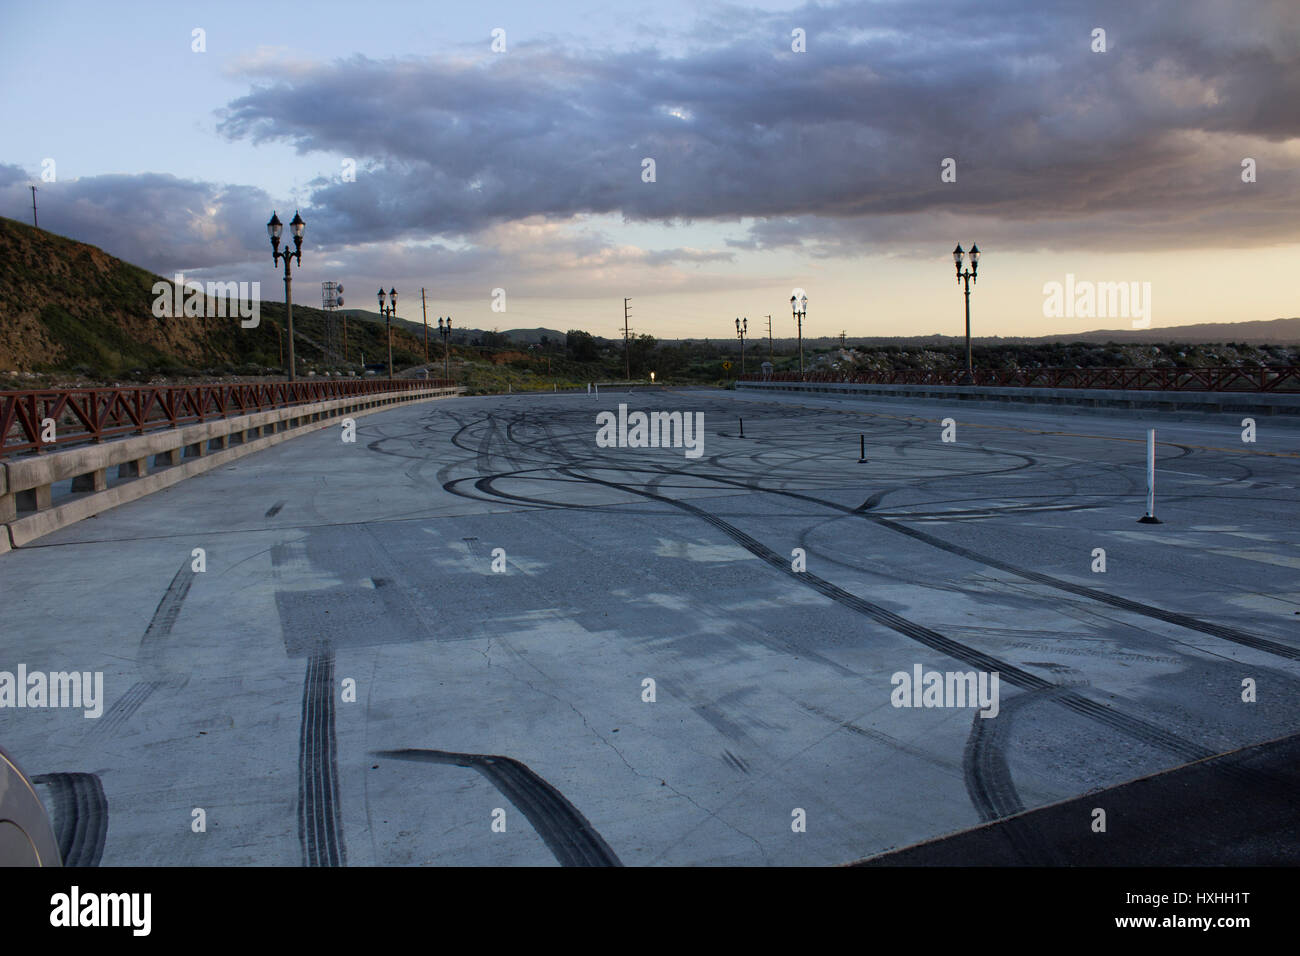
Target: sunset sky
[{"x": 774, "y": 169}]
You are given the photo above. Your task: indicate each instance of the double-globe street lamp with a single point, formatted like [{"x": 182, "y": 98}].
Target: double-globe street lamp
[
  {"x": 742, "y": 326},
  {"x": 968, "y": 276},
  {"x": 799, "y": 306},
  {"x": 445, "y": 332},
  {"x": 388, "y": 312},
  {"x": 274, "y": 228}
]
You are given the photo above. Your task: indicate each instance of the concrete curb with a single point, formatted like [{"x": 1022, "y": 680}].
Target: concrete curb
[
  {"x": 31, "y": 478},
  {"x": 1284, "y": 405}
]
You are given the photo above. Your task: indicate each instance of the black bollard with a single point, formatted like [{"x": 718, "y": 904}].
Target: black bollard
[{"x": 862, "y": 442}]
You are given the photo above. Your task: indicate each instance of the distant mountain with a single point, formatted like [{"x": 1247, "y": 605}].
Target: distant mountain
[
  {"x": 66, "y": 306},
  {"x": 1268, "y": 332},
  {"x": 416, "y": 328},
  {"x": 534, "y": 336}
]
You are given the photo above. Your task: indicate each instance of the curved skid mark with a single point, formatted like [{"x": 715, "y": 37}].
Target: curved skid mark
[{"x": 560, "y": 824}]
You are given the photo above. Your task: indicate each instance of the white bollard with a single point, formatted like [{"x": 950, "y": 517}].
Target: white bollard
[{"x": 1150, "y": 516}]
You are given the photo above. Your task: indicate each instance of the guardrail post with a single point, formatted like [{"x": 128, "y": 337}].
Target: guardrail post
[
  {"x": 34, "y": 499},
  {"x": 134, "y": 469},
  {"x": 96, "y": 480}
]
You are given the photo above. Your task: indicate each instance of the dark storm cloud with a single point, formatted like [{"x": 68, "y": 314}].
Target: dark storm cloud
[
  {"x": 151, "y": 219},
  {"x": 839, "y": 145},
  {"x": 203, "y": 229},
  {"x": 833, "y": 150}
]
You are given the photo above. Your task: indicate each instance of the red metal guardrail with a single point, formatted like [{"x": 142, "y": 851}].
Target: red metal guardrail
[
  {"x": 93, "y": 414},
  {"x": 1216, "y": 379}
]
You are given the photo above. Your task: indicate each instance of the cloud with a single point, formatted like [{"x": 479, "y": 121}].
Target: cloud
[
  {"x": 480, "y": 166},
  {"x": 151, "y": 219},
  {"x": 214, "y": 231},
  {"x": 1055, "y": 144}
]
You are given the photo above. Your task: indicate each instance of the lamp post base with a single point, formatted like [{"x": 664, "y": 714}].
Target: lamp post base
[{"x": 1149, "y": 519}]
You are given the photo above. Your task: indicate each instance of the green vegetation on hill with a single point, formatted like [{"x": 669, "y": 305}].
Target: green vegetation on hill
[{"x": 68, "y": 309}]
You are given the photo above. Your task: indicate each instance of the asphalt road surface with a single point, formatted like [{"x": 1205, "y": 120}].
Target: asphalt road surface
[{"x": 678, "y": 660}]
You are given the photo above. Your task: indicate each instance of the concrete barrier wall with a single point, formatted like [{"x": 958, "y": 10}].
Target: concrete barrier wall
[
  {"x": 28, "y": 510},
  {"x": 1246, "y": 403}
]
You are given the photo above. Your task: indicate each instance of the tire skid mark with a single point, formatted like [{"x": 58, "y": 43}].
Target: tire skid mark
[
  {"x": 568, "y": 834},
  {"x": 1125, "y": 723},
  {"x": 150, "y": 655},
  {"x": 1223, "y": 632},
  {"x": 1118, "y": 720},
  {"x": 80, "y": 815},
  {"x": 124, "y": 708},
  {"x": 164, "y": 616},
  {"x": 320, "y": 832},
  {"x": 984, "y": 765},
  {"x": 1229, "y": 634},
  {"x": 734, "y": 761},
  {"x": 990, "y": 785}
]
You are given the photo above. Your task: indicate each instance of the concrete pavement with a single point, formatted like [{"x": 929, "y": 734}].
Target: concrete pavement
[{"x": 348, "y": 609}]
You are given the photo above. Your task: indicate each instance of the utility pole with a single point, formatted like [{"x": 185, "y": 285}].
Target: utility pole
[
  {"x": 35, "y": 224},
  {"x": 425, "y": 313},
  {"x": 771, "y": 352},
  {"x": 627, "y": 340}
]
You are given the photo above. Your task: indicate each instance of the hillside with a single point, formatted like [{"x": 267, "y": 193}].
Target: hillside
[
  {"x": 66, "y": 306},
  {"x": 71, "y": 311},
  {"x": 460, "y": 335}
]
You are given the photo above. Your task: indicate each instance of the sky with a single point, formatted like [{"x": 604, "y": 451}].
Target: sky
[{"x": 839, "y": 149}]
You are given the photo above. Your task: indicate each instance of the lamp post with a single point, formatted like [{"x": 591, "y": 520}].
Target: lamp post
[
  {"x": 968, "y": 277},
  {"x": 273, "y": 229},
  {"x": 799, "y": 306},
  {"x": 742, "y": 326},
  {"x": 445, "y": 332},
  {"x": 388, "y": 312}
]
